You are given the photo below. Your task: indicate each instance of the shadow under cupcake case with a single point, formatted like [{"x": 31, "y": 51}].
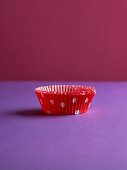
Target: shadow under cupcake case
[{"x": 65, "y": 99}]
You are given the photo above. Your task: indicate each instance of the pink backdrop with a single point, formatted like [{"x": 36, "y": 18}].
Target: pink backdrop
[{"x": 63, "y": 40}]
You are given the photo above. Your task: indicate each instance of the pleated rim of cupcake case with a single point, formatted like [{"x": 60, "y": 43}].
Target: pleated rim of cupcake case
[{"x": 66, "y": 89}]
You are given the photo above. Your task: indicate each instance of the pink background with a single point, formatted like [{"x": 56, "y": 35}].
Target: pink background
[{"x": 63, "y": 40}]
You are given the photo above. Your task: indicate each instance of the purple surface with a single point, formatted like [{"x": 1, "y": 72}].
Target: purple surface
[{"x": 32, "y": 140}]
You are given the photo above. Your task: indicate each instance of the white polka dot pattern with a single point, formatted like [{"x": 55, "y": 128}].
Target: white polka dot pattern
[
  {"x": 86, "y": 100},
  {"x": 48, "y": 112},
  {"x": 74, "y": 100},
  {"x": 77, "y": 112},
  {"x": 62, "y": 104},
  {"x": 51, "y": 101}
]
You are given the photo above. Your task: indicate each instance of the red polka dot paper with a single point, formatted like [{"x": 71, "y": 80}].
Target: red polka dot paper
[{"x": 65, "y": 99}]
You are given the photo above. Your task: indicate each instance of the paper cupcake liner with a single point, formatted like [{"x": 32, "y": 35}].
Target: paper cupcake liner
[{"x": 65, "y": 99}]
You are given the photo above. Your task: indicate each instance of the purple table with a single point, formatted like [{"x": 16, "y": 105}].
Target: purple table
[{"x": 30, "y": 140}]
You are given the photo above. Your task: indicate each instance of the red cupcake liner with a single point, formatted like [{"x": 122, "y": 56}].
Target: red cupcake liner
[{"x": 65, "y": 99}]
